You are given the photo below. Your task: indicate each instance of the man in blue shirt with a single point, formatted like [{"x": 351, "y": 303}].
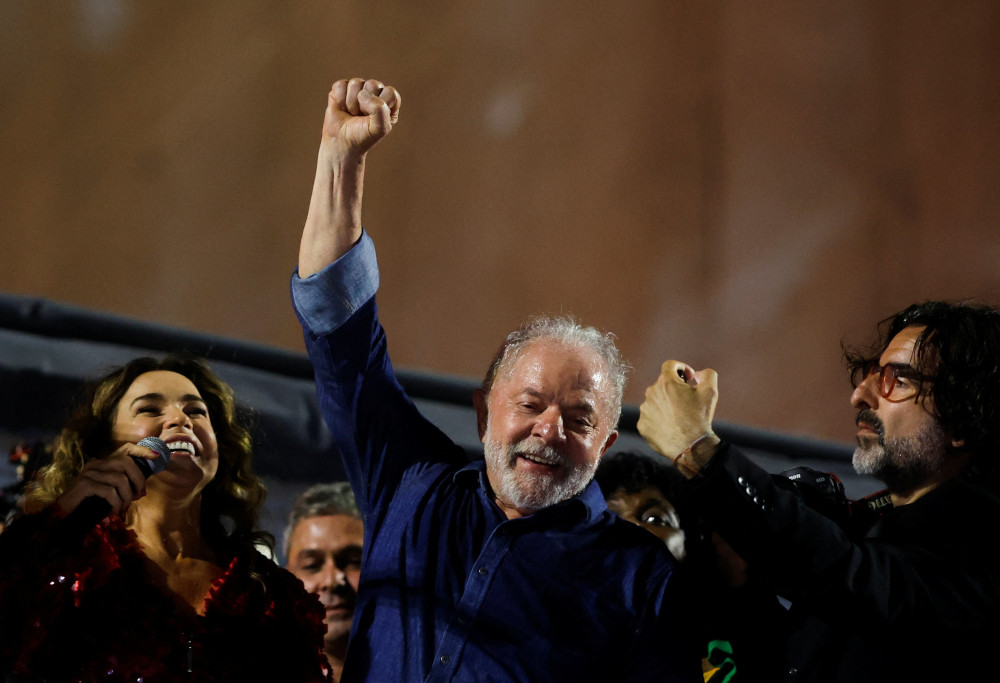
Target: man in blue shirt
[{"x": 508, "y": 569}]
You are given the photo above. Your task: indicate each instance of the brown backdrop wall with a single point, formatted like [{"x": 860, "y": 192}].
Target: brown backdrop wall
[{"x": 738, "y": 184}]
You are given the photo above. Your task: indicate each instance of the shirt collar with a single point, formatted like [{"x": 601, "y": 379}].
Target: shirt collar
[{"x": 588, "y": 504}]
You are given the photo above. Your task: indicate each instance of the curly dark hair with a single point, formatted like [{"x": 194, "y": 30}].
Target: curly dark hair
[
  {"x": 632, "y": 471},
  {"x": 959, "y": 354},
  {"x": 230, "y": 503}
]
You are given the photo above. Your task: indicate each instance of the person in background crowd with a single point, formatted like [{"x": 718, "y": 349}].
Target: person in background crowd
[
  {"x": 169, "y": 585},
  {"x": 739, "y": 617},
  {"x": 916, "y": 597},
  {"x": 322, "y": 544},
  {"x": 27, "y": 457},
  {"x": 641, "y": 490}
]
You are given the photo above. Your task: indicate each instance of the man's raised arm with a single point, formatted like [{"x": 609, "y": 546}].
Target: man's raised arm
[{"x": 359, "y": 113}]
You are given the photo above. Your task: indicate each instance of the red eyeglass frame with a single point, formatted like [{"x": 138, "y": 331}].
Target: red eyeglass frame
[{"x": 889, "y": 376}]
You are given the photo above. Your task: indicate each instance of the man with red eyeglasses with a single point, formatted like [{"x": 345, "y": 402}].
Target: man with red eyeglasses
[{"x": 917, "y": 595}]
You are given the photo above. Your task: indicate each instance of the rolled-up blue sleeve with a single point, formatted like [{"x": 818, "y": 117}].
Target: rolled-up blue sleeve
[{"x": 325, "y": 300}]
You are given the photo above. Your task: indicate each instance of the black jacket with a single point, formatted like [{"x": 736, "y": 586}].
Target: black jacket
[{"x": 915, "y": 598}]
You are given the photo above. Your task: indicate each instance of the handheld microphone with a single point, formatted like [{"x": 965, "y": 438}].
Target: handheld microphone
[
  {"x": 150, "y": 467},
  {"x": 93, "y": 509}
]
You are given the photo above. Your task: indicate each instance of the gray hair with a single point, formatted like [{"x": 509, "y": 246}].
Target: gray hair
[
  {"x": 564, "y": 330},
  {"x": 318, "y": 501}
]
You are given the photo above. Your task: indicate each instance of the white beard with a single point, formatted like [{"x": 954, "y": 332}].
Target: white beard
[{"x": 533, "y": 492}]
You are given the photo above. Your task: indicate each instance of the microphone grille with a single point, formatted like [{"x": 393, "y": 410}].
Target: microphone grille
[{"x": 160, "y": 446}]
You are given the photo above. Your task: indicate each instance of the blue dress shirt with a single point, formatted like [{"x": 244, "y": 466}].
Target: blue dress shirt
[{"x": 450, "y": 589}]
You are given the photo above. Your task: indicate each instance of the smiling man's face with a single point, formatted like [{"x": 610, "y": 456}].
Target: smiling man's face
[
  {"x": 547, "y": 422},
  {"x": 325, "y": 553}
]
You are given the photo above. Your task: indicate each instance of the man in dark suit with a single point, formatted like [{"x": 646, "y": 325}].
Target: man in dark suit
[{"x": 916, "y": 596}]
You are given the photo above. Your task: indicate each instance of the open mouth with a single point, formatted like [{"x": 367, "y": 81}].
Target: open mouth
[
  {"x": 540, "y": 459},
  {"x": 181, "y": 448},
  {"x": 545, "y": 458}
]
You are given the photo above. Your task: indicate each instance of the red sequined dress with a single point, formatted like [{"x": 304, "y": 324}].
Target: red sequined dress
[{"x": 96, "y": 614}]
